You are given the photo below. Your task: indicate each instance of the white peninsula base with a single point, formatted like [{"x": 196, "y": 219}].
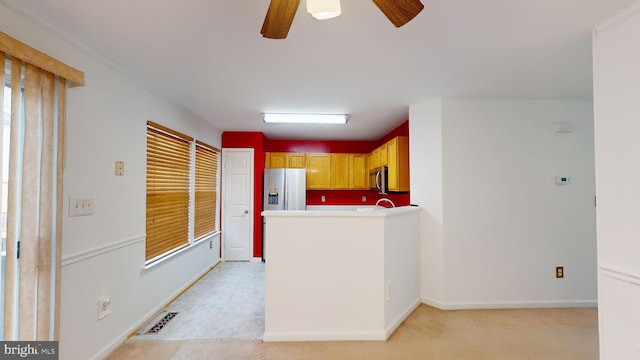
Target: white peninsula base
[{"x": 340, "y": 275}]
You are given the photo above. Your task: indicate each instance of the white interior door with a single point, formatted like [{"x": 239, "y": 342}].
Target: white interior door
[{"x": 237, "y": 208}]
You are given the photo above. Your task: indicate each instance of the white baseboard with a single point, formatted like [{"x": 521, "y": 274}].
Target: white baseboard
[
  {"x": 343, "y": 336},
  {"x": 434, "y": 303},
  {"x": 109, "y": 348},
  {"x": 324, "y": 336},
  {"x": 461, "y": 305},
  {"x": 402, "y": 317}
]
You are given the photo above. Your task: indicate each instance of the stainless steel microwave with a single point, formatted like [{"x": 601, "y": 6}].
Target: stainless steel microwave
[{"x": 378, "y": 179}]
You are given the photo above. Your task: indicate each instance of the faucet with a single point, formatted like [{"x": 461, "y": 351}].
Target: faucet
[{"x": 385, "y": 200}]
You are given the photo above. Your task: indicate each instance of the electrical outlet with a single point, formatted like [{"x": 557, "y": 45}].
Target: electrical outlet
[
  {"x": 364, "y": 198},
  {"x": 104, "y": 308},
  {"x": 559, "y": 272},
  {"x": 389, "y": 290}
]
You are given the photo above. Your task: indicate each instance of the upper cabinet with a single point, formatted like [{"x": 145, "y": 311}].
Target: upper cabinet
[
  {"x": 395, "y": 155},
  {"x": 384, "y": 158},
  {"x": 358, "y": 172},
  {"x": 340, "y": 168},
  {"x": 349, "y": 172},
  {"x": 374, "y": 159},
  {"x": 341, "y": 171},
  {"x": 398, "y": 163},
  {"x": 318, "y": 171},
  {"x": 285, "y": 160},
  {"x": 297, "y": 161},
  {"x": 335, "y": 171},
  {"x": 275, "y": 160}
]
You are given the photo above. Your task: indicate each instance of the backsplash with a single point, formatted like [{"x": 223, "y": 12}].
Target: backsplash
[{"x": 353, "y": 197}]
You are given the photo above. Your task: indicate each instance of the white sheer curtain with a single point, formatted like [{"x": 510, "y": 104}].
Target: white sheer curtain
[{"x": 34, "y": 190}]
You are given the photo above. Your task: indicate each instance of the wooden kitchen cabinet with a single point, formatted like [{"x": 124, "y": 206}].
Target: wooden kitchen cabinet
[
  {"x": 374, "y": 159},
  {"x": 398, "y": 162},
  {"x": 318, "y": 171},
  {"x": 378, "y": 157},
  {"x": 275, "y": 160},
  {"x": 358, "y": 171},
  {"x": 384, "y": 158},
  {"x": 340, "y": 167},
  {"x": 285, "y": 160},
  {"x": 296, "y": 160},
  {"x": 325, "y": 171},
  {"x": 349, "y": 172}
]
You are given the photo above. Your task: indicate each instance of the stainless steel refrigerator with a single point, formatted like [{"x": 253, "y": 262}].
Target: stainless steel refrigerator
[{"x": 284, "y": 189}]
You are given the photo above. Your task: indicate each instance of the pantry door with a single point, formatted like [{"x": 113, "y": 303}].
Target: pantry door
[{"x": 237, "y": 208}]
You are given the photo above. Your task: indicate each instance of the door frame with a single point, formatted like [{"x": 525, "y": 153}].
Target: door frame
[{"x": 251, "y": 200}]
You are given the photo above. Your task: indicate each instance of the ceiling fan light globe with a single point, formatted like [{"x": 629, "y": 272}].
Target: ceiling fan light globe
[
  {"x": 325, "y": 15},
  {"x": 324, "y": 9}
]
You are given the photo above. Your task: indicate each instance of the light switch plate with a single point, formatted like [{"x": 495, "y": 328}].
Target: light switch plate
[
  {"x": 119, "y": 168},
  {"x": 79, "y": 206},
  {"x": 104, "y": 308}
]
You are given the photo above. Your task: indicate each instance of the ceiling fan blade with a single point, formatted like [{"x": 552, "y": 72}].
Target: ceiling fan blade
[
  {"x": 279, "y": 18},
  {"x": 399, "y": 12}
]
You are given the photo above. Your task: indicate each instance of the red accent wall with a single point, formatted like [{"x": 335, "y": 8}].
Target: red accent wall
[
  {"x": 402, "y": 130},
  {"x": 260, "y": 144},
  {"x": 333, "y": 146},
  {"x": 256, "y": 141},
  {"x": 319, "y": 146},
  {"x": 353, "y": 197}
]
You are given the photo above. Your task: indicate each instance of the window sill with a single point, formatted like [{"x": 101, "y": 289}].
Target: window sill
[{"x": 156, "y": 263}]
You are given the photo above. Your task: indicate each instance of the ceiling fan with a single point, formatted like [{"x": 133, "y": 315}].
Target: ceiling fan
[{"x": 281, "y": 12}]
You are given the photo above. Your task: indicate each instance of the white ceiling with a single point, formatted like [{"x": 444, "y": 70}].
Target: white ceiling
[{"x": 209, "y": 56}]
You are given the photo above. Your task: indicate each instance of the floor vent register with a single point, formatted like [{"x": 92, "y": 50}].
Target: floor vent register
[{"x": 161, "y": 323}]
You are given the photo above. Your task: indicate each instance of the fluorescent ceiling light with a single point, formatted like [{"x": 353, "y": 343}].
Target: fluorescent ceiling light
[
  {"x": 306, "y": 118},
  {"x": 323, "y": 9}
]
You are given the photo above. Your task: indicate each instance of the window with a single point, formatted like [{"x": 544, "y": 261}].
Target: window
[
  {"x": 172, "y": 191},
  {"x": 206, "y": 190}
]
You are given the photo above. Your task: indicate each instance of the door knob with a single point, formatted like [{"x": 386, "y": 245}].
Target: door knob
[{"x": 246, "y": 211}]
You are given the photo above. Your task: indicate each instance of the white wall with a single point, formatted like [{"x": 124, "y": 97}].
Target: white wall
[
  {"x": 616, "y": 89},
  {"x": 324, "y": 277},
  {"x": 425, "y": 148},
  {"x": 103, "y": 254},
  {"x": 506, "y": 225},
  {"x": 401, "y": 268},
  {"x": 360, "y": 283}
]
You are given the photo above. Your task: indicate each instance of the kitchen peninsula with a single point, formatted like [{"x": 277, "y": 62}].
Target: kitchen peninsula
[{"x": 340, "y": 275}]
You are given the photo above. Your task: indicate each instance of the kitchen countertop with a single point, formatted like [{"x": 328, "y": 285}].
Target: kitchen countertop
[{"x": 348, "y": 212}]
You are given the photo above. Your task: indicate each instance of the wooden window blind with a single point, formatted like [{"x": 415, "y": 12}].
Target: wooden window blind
[
  {"x": 168, "y": 184},
  {"x": 206, "y": 184}
]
